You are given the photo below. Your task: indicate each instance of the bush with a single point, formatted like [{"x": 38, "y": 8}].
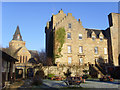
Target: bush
[
  {"x": 68, "y": 73},
  {"x": 85, "y": 71},
  {"x": 37, "y": 80},
  {"x": 39, "y": 75},
  {"x": 51, "y": 75},
  {"x": 86, "y": 76}
]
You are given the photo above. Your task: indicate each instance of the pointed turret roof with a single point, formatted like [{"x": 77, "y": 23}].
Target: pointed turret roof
[{"x": 17, "y": 36}]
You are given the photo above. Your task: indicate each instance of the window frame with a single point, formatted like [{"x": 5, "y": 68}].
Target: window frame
[
  {"x": 26, "y": 58},
  {"x": 80, "y": 61},
  {"x": 69, "y": 25},
  {"x": 105, "y": 51},
  {"x": 80, "y": 49},
  {"x": 101, "y": 38},
  {"x": 20, "y": 59},
  {"x": 68, "y": 35},
  {"x": 23, "y": 59},
  {"x": 80, "y": 37},
  {"x": 69, "y": 60},
  {"x": 93, "y": 38},
  {"x": 96, "y": 49},
  {"x": 69, "y": 49}
]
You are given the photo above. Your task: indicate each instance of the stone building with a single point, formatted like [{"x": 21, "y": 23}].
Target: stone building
[
  {"x": 18, "y": 45},
  {"x": 113, "y": 36},
  {"x": 8, "y": 68},
  {"x": 83, "y": 45},
  {"x": 20, "y": 52}
]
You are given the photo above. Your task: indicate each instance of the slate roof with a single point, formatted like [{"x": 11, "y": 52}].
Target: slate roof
[
  {"x": 97, "y": 32},
  {"x": 33, "y": 53},
  {"x": 17, "y": 32},
  {"x": 32, "y": 60},
  {"x": 7, "y": 57}
]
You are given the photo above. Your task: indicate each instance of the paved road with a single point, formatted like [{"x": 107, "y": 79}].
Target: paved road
[
  {"x": 87, "y": 84},
  {"x": 60, "y": 84}
]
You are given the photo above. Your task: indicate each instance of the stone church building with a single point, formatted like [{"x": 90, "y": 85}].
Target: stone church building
[
  {"x": 25, "y": 57},
  {"x": 17, "y": 44},
  {"x": 83, "y": 45}
]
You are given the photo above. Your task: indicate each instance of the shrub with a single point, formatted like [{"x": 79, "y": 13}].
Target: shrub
[
  {"x": 85, "y": 71},
  {"x": 37, "y": 79},
  {"x": 40, "y": 73},
  {"x": 86, "y": 76},
  {"x": 68, "y": 73},
  {"x": 51, "y": 75}
]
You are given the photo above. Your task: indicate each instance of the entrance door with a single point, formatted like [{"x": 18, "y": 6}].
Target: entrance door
[
  {"x": 18, "y": 73},
  {"x": 30, "y": 72}
]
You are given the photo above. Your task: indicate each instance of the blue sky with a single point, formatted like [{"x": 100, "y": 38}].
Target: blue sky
[{"x": 33, "y": 16}]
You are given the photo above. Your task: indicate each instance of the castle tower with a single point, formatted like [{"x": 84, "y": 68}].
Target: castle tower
[{"x": 114, "y": 37}]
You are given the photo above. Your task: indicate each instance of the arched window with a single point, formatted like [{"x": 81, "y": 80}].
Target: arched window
[
  {"x": 80, "y": 36},
  {"x": 26, "y": 58},
  {"x": 23, "y": 59},
  {"x": 20, "y": 59}
]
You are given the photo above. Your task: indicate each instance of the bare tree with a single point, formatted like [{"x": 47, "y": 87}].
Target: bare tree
[
  {"x": 49, "y": 61},
  {"x": 42, "y": 56}
]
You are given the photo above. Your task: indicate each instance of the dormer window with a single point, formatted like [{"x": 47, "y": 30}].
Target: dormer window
[
  {"x": 69, "y": 25},
  {"x": 93, "y": 38},
  {"x": 80, "y": 36},
  {"x": 101, "y": 38}
]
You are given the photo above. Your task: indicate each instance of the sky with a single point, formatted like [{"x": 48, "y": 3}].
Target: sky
[{"x": 33, "y": 16}]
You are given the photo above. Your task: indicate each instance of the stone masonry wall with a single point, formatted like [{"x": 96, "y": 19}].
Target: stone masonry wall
[{"x": 60, "y": 70}]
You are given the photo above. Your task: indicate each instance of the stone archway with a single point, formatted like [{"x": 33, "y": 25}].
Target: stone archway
[
  {"x": 19, "y": 73},
  {"x": 30, "y": 72}
]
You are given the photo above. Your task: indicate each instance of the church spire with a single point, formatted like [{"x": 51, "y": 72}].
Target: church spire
[{"x": 17, "y": 36}]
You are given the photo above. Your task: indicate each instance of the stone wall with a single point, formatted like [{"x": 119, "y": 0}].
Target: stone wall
[{"x": 75, "y": 70}]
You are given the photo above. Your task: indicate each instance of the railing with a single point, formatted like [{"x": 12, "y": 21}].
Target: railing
[
  {"x": 92, "y": 65},
  {"x": 102, "y": 69}
]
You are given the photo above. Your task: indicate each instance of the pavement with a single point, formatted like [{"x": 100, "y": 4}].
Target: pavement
[
  {"x": 87, "y": 84},
  {"x": 26, "y": 84}
]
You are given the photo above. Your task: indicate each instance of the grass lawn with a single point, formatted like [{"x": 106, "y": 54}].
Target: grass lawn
[
  {"x": 16, "y": 84},
  {"x": 72, "y": 87}
]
